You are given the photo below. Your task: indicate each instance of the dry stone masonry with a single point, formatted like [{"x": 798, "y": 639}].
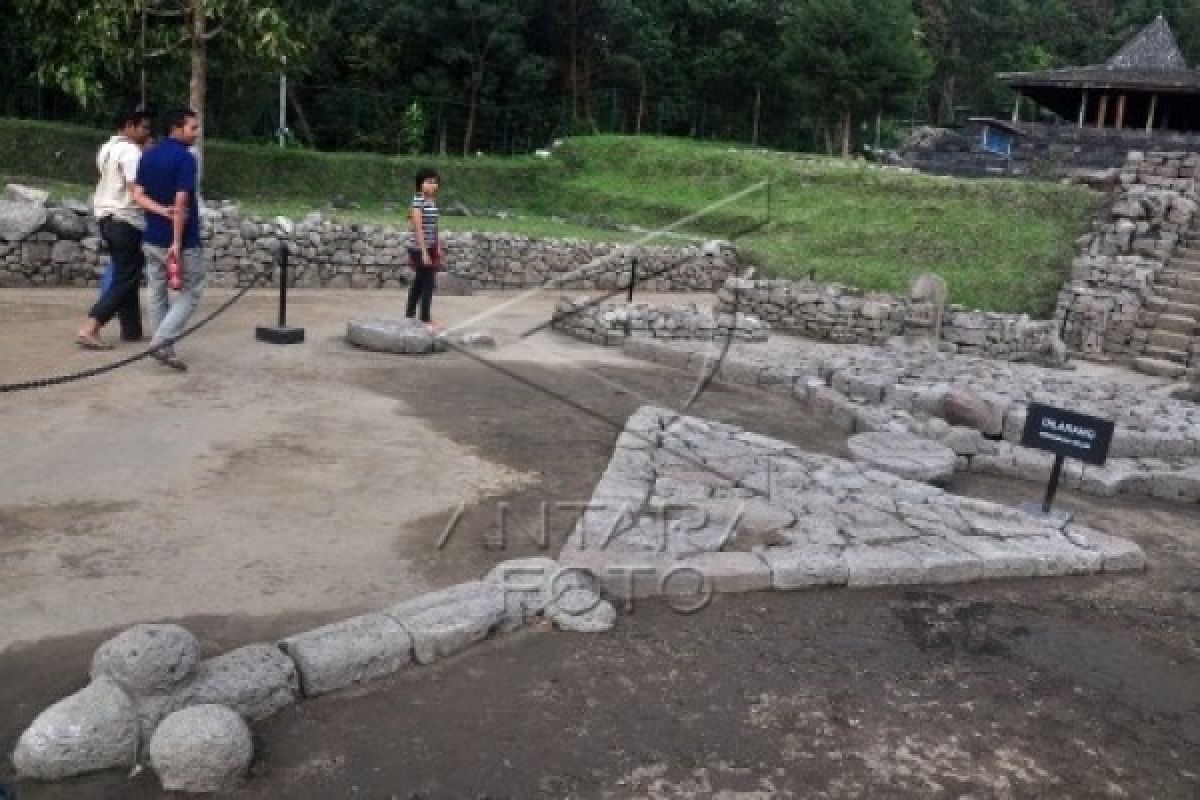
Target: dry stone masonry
[
  {"x": 1127, "y": 298},
  {"x": 974, "y": 406},
  {"x": 844, "y": 315},
  {"x": 667, "y": 518},
  {"x": 44, "y": 245},
  {"x": 610, "y": 324}
]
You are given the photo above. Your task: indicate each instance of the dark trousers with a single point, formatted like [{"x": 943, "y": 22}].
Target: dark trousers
[
  {"x": 121, "y": 300},
  {"x": 421, "y": 291}
]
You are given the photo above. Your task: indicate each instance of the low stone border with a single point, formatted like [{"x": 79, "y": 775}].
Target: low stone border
[{"x": 145, "y": 678}]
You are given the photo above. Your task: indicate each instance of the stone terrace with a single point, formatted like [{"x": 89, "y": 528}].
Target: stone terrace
[
  {"x": 1155, "y": 450},
  {"x": 688, "y": 504}
]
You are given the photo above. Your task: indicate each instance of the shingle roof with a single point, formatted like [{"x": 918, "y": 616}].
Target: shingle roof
[{"x": 1151, "y": 61}]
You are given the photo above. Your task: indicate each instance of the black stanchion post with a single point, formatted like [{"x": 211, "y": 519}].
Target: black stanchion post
[
  {"x": 1053, "y": 487},
  {"x": 281, "y": 333},
  {"x": 632, "y": 277}
]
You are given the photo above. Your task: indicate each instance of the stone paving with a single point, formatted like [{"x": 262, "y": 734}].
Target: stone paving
[
  {"x": 1155, "y": 449},
  {"x": 688, "y": 506}
]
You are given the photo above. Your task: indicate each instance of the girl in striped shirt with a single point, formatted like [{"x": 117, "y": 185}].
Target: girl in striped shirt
[{"x": 425, "y": 256}]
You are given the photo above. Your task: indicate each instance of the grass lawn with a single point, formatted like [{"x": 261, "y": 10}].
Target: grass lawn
[{"x": 1001, "y": 245}]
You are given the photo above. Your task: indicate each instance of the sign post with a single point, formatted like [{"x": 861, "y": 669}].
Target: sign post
[{"x": 1066, "y": 434}]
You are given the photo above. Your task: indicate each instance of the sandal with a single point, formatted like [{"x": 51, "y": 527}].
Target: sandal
[{"x": 90, "y": 342}]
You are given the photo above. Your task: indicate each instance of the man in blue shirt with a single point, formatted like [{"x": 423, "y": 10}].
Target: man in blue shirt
[{"x": 166, "y": 189}]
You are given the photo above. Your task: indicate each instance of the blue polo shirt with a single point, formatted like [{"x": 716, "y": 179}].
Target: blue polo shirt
[{"x": 165, "y": 169}]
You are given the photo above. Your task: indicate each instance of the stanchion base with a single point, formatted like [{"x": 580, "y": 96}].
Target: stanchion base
[
  {"x": 1054, "y": 516},
  {"x": 279, "y": 334}
]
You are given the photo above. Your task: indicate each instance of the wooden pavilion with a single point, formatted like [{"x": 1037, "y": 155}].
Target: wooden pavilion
[{"x": 1147, "y": 85}]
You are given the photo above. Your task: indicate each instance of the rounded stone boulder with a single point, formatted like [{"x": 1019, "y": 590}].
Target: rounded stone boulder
[
  {"x": 148, "y": 659},
  {"x": 94, "y": 729},
  {"x": 904, "y": 455},
  {"x": 202, "y": 749},
  {"x": 385, "y": 335}
]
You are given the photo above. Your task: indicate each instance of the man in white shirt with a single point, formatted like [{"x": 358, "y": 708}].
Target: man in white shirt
[{"x": 121, "y": 222}]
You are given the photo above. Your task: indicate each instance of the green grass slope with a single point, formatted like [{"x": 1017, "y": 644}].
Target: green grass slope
[{"x": 1001, "y": 245}]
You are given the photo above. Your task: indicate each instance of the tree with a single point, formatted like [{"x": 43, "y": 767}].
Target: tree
[
  {"x": 854, "y": 57},
  {"x": 98, "y": 49}
]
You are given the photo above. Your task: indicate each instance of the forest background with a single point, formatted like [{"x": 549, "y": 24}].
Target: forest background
[{"x": 508, "y": 76}]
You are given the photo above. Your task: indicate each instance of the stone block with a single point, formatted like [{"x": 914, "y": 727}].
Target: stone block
[
  {"x": 345, "y": 653},
  {"x": 731, "y": 571},
  {"x": 256, "y": 681},
  {"x": 447, "y": 621},
  {"x": 805, "y": 567}
]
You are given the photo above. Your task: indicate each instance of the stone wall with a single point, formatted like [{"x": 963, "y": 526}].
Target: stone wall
[
  {"x": 820, "y": 311},
  {"x": 1042, "y": 150},
  {"x": 1102, "y": 308},
  {"x": 66, "y": 250},
  {"x": 835, "y": 313},
  {"x": 611, "y": 324}
]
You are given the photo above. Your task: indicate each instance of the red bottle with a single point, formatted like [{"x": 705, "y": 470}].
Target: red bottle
[{"x": 174, "y": 273}]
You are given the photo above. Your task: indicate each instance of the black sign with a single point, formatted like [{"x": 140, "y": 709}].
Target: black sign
[{"x": 1067, "y": 433}]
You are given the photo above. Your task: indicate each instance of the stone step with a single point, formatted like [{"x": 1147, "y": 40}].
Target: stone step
[
  {"x": 1181, "y": 264},
  {"x": 1180, "y": 309},
  {"x": 1179, "y": 279},
  {"x": 1159, "y": 367},
  {"x": 1170, "y": 340},
  {"x": 1178, "y": 324},
  {"x": 1185, "y": 296},
  {"x": 1179, "y": 357}
]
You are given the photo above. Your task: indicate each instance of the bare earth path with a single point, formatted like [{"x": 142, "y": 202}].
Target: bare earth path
[{"x": 271, "y": 489}]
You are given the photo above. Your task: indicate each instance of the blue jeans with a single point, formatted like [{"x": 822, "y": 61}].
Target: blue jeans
[{"x": 169, "y": 319}]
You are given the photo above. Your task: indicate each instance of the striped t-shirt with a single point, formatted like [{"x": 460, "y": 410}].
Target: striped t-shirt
[{"x": 429, "y": 221}]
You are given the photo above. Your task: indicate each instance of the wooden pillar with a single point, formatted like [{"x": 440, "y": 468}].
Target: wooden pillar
[
  {"x": 1083, "y": 108},
  {"x": 1120, "y": 111},
  {"x": 1016, "y": 115},
  {"x": 1102, "y": 111},
  {"x": 1150, "y": 116}
]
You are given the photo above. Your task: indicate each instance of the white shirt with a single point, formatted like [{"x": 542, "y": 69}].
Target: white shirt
[{"x": 118, "y": 163}]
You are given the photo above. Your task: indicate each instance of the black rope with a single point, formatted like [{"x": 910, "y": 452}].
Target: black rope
[{"x": 58, "y": 380}]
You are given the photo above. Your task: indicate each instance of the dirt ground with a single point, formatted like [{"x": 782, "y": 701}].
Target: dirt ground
[{"x": 271, "y": 489}]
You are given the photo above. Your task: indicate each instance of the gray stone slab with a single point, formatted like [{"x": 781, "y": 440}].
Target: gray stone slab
[
  {"x": 387, "y": 335},
  {"x": 731, "y": 572},
  {"x": 349, "y": 652},
  {"x": 805, "y": 567}
]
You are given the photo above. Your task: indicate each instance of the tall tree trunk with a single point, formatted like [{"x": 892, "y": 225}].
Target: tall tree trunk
[
  {"x": 826, "y": 133},
  {"x": 847, "y": 121},
  {"x": 946, "y": 101},
  {"x": 641, "y": 111},
  {"x": 306, "y": 130},
  {"x": 198, "y": 88},
  {"x": 472, "y": 102},
  {"x": 757, "y": 108},
  {"x": 574, "y": 73}
]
